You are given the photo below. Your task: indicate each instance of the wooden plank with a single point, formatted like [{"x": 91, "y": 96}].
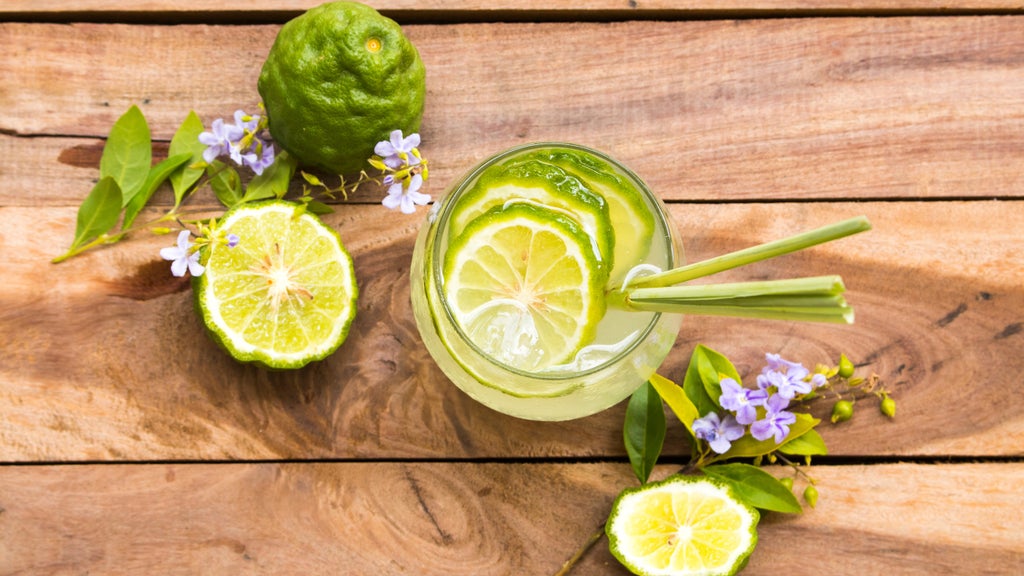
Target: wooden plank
[
  {"x": 104, "y": 358},
  {"x": 739, "y": 110},
  {"x": 480, "y": 519},
  {"x": 529, "y": 8}
]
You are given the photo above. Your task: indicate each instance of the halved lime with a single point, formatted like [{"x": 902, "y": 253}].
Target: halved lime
[
  {"x": 285, "y": 295},
  {"x": 682, "y": 526},
  {"x": 544, "y": 184},
  {"x": 631, "y": 219},
  {"x": 524, "y": 284}
]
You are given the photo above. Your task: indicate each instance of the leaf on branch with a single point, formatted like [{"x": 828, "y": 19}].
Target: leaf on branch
[
  {"x": 226, "y": 183},
  {"x": 186, "y": 141},
  {"x": 97, "y": 215},
  {"x": 644, "y": 431},
  {"x": 701, "y": 382},
  {"x": 273, "y": 182},
  {"x": 676, "y": 399},
  {"x": 809, "y": 443},
  {"x": 128, "y": 153},
  {"x": 756, "y": 487},
  {"x": 157, "y": 175}
]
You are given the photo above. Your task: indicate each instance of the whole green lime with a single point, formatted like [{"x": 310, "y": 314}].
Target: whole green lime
[{"x": 338, "y": 79}]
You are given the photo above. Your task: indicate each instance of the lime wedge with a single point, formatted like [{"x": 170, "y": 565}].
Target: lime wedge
[
  {"x": 525, "y": 286},
  {"x": 544, "y": 184},
  {"x": 285, "y": 295},
  {"x": 682, "y": 526},
  {"x": 631, "y": 219}
]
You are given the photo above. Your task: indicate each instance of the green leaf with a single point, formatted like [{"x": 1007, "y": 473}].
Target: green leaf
[
  {"x": 318, "y": 208},
  {"x": 676, "y": 399},
  {"x": 273, "y": 182},
  {"x": 711, "y": 366},
  {"x": 809, "y": 443},
  {"x": 226, "y": 183},
  {"x": 157, "y": 175},
  {"x": 749, "y": 447},
  {"x": 693, "y": 384},
  {"x": 128, "y": 153},
  {"x": 644, "y": 431},
  {"x": 756, "y": 487},
  {"x": 97, "y": 214},
  {"x": 186, "y": 141}
]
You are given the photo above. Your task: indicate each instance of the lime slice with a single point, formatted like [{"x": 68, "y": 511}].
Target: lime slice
[
  {"x": 285, "y": 295},
  {"x": 682, "y": 526},
  {"x": 539, "y": 183},
  {"x": 631, "y": 219},
  {"x": 524, "y": 284}
]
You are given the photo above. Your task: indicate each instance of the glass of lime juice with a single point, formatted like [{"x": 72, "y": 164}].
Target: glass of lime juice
[{"x": 511, "y": 276}]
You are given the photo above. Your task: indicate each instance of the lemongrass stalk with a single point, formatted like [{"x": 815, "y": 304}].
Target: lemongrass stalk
[
  {"x": 808, "y": 299},
  {"x": 754, "y": 254}
]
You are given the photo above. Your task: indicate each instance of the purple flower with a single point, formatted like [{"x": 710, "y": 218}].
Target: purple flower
[
  {"x": 818, "y": 380},
  {"x": 249, "y": 125},
  {"x": 397, "y": 151},
  {"x": 220, "y": 139},
  {"x": 260, "y": 158},
  {"x": 406, "y": 195},
  {"x": 718, "y": 432},
  {"x": 776, "y": 420},
  {"x": 232, "y": 240},
  {"x": 183, "y": 257},
  {"x": 742, "y": 401},
  {"x": 788, "y": 378}
]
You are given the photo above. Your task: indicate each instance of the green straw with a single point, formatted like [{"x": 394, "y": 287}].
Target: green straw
[
  {"x": 754, "y": 254},
  {"x": 817, "y": 299}
]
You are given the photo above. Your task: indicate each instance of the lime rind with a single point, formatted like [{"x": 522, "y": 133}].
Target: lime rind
[
  {"x": 629, "y": 215},
  {"x": 234, "y": 301},
  {"x": 523, "y": 284},
  {"x": 543, "y": 184},
  {"x": 647, "y": 524}
]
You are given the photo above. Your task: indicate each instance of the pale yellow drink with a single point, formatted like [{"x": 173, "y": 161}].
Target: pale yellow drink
[{"x": 622, "y": 352}]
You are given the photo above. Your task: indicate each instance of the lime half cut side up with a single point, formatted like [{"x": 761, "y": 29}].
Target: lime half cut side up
[
  {"x": 285, "y": 295},
  {"x": 682, "y": 526},
  {"x": 524, "y": 285}
]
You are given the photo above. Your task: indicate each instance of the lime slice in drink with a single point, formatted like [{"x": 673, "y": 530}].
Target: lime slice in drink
[
  {"x": 631, "y": 219},
  {"x": 685, "y": 525},
  {"x": 544, "y": 184},
  {"x": 285, "y": 295},
  {"x": 524, "y": 284}
]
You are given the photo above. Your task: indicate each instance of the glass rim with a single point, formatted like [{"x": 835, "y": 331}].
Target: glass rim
[{"x": 440, "y": 221}]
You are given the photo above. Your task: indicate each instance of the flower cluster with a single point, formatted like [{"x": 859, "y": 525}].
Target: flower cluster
[
  {"x": 398, "y": 158},
  {"x": 184, "y": 255},
  {"x": 405, "y": 170},
  {"x": 241, "y": 141},
  {"x": 762, "y": 409}
]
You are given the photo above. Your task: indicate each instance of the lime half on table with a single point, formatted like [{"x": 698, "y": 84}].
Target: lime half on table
[
  {"x": 682, "y": 526},
  {"x": 285, "y": 295}
]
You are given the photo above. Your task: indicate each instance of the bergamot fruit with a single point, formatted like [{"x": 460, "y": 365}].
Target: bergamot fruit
[{"x": 338, "y": 79}]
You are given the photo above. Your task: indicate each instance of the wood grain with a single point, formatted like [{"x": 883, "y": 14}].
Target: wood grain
[
  {"x": 412, "y": 9},
  {"x": 105, "y": 358},
  {"x": 818, "y": 108},
  {"x": 479, "y": 519}
]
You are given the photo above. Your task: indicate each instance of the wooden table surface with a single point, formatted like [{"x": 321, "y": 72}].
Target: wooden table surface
[{"x": 130, "y": 444}]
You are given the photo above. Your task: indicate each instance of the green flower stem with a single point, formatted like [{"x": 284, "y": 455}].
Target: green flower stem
[
  {"x": 817, "y": 299},
  {"x": 754, "y": 254}
]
